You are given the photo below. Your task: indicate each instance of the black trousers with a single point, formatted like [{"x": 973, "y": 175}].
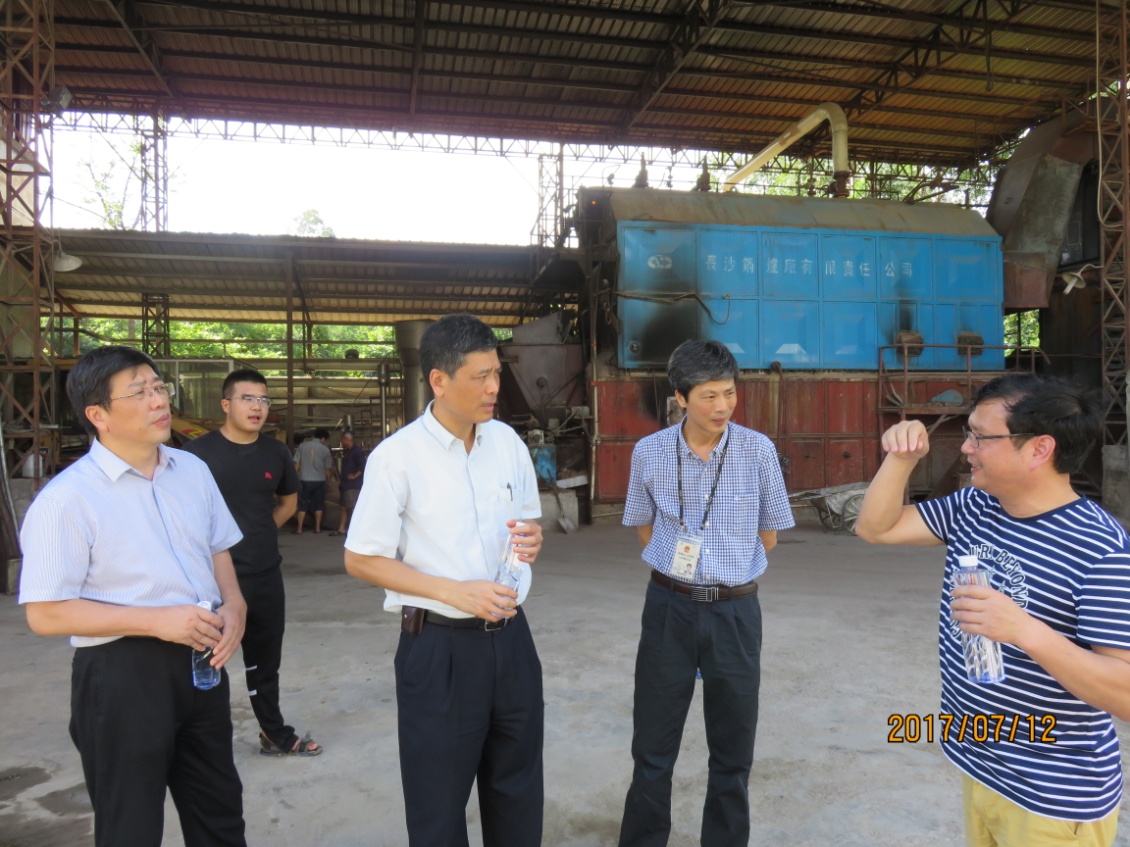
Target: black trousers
[
  {"x": 723, "y": 640},
  {"x": 262, "y": 650},
  {"x": 141, "y": 727},
  {"x": 469, "y": 706}
]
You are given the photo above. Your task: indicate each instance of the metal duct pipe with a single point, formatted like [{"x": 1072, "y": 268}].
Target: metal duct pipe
[
  {"x": 414, "y": 382},
  {"x": 830, "y": 112}
]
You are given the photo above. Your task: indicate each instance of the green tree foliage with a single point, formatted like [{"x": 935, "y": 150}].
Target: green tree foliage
[
  {"x": 310, "y": 224},
  {"x": 1022, "y": 329},
  {"x": 214, "y": 339}
]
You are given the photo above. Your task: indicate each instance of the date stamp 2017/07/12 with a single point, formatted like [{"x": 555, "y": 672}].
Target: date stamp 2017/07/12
[{"x": 912, "y": 728}]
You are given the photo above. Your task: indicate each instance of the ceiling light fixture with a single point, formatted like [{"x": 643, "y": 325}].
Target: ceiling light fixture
[
  {"x": 64, "y": 262},
  {"x": 1076, "y": 279}
]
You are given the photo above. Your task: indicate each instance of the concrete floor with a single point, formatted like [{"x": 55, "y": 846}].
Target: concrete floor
[{"x": 849, "y": 641}]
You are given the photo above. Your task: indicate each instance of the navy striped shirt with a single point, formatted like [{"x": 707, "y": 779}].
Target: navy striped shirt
[
  {"x": 101, "y": 531},
  {"x": 1069, "y": 568},
  {"x": 751, "y": 497}
]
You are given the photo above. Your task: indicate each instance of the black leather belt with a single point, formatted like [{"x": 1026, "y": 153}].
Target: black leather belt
[
  {"x": 467, "y": 623},
  {"x": 704, "y": 593}
]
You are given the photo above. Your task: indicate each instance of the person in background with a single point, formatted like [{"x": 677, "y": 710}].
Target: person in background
[
  {"x": 442, "y": 497},
  {"x": 352, "y": 470},
  {"x": 315, "y": 464},
  {"x": 258, "y": 481},
  {"x": 707, "y": 498},
  {"x": 1047, "y": 769},
  {"x": 126, "y": 551}
]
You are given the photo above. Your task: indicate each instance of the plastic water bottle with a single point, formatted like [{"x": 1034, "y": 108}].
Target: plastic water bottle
[
  {"x": 204, "y": 676},
  {"x": 983, "y": 661},
  {"x": 509, "y": 566}
]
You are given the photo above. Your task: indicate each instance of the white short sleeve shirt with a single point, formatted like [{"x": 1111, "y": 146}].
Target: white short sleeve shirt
[{"x": 429, "y": 503}]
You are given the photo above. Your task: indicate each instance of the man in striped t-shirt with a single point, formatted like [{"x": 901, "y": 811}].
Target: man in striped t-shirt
[{"x": 1039, "y": 750}]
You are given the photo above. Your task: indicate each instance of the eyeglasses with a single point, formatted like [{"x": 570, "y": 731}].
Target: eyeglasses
[
  {"x": 165, "y": 392},
  {"x": 970, "y": 435},
  {"x": 252, "y": 400}
]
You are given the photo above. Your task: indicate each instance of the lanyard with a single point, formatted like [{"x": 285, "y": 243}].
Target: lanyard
[{"x": 713, "y": 488}]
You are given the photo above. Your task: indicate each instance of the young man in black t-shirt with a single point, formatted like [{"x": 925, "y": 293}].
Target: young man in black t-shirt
[{"x": 256, "y": 475}]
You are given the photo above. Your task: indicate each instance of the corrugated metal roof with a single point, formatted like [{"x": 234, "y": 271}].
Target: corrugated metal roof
[
  {"x": 335, "y": 281},
  {"x": 921, "y": 80}
]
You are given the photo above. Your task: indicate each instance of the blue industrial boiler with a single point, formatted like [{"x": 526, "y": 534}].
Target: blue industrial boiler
[{"x": 806, "y": 283}]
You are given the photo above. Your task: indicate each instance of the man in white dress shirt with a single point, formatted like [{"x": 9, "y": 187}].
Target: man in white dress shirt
[
  {"x": 126, "y": 551},
  {"x": 442, "y": 498}
]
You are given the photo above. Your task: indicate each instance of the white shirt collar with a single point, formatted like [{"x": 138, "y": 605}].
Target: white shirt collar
[
  {"x": 440, "y": 433},
  {"x": 113, "y": 465}
]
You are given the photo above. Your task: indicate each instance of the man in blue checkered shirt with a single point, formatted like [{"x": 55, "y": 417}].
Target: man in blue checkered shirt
[{"x": 707, "y": 499}]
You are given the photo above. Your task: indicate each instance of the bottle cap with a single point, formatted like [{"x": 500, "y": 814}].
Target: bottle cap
[{"x": 968, "y": 562}]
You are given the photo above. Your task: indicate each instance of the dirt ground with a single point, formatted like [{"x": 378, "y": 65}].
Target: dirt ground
[{"x": 849, "y": 641}]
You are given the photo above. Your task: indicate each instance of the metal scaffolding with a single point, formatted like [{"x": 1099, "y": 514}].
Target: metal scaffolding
[
  {"x": 155, "y": 336},
  {"x": 28, "y": 102},
  {"x": 154, "y": 176},
  {"x": 1113, "y": 127}
]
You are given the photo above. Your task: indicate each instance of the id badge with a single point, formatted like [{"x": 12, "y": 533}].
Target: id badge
[{"x": 685, "y": 560}]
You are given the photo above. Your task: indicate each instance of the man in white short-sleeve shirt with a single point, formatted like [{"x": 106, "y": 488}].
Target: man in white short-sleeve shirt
[
  {"x": 126, "y": 551},
  {"x": 442, "y": 499}
]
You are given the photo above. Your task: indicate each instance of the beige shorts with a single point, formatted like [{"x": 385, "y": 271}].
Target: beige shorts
[{"x": 995, "y": 821}]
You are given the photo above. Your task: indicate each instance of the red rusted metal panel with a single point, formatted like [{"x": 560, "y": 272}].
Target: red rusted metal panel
[
  {"x": 802, "y": 406},
  {"x": 872, "y": 457},
  {"x": 1026, "y": 287},
  {"x": 759, "y": 400},
  {"x": 851, "y": 406},
  {"x": 805, "y": 463},
  {"x": 844, "y": 461},
  {"x": 631, "y": 408},
  {"x": 613, "y": 467},
  {"x": 827, "y": 429}
]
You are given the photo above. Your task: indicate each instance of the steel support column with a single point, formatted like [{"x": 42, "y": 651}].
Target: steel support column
[
  {"x": 155, "y": 337},
  {"x": 27, "y": 104},
  {"x": 154, "y": 175},
  {"x": 1113, "y": 127}
]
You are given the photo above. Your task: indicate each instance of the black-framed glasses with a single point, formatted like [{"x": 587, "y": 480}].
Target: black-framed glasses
[
  {"x": 970, "y": 435},
  {"x": 165, "y": 392},
  {"x": 251, "y": 400}
]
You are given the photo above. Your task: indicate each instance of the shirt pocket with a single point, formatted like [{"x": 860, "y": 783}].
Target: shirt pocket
[
  {"x": 738, "y": 513},
  {"x": 507, "y": 502}
]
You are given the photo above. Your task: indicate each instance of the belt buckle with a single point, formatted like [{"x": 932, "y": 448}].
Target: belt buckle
[
  {"x": 495, "y": 626},
  {"x": 704, "y": 593}
]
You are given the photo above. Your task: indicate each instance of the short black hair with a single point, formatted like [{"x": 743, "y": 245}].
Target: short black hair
[
  {"x": 242, "y": 375},
  {"x": 446, "y": 343},
  {"x": 1047, "y": 405},
  {"x": 696, "y": 362},
  {"x": 88, "y": 383},
  {"x": 321, "y": 434}
]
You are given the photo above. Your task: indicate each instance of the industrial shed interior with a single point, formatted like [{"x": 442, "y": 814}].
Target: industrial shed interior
[{"x": 850, "y": 304}]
